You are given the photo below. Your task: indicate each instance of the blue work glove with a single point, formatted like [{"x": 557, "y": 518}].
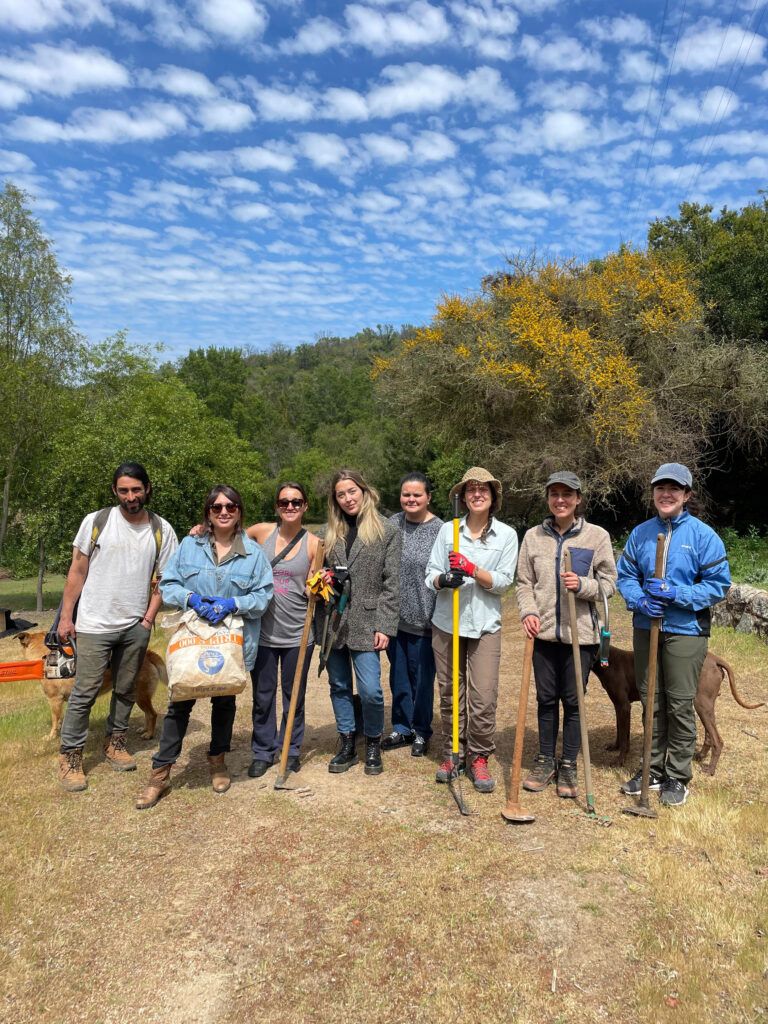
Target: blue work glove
[
  {"x": 648, "y": 606},
  {"x": 660, "y": 590},
  {"x": 197, "y": 604},
  {"x": 451, "y": 580},
  {"x": 221, "y": 607}
]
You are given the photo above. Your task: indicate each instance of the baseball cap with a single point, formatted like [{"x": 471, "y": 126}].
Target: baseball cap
[{"x": 675, "y": 472}]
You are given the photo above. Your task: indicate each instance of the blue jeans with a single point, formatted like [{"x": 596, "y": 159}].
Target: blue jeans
[
  {"x": 412, "y": 681},
  {"x": 368, "y": 679}
]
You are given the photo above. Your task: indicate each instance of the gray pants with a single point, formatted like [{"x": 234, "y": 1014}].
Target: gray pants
[
  {"x": 680, "y": 660},
  {"x": 478, "y": 691},
  {"x": 122, "y": 651}
]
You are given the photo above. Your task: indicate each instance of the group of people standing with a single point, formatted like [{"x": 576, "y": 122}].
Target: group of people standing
[{"x": 399, "y": 576}]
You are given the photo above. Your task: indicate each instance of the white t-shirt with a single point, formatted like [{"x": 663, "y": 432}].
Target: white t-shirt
[{"x": 116, "y": 591}]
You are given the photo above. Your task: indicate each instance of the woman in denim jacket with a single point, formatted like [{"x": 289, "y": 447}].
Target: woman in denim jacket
[{"x": 217, "y": 573}]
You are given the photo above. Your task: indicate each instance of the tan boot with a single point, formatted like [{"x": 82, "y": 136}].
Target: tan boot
[
  {"x": 117, "y": 754},
  {"x": 158, "y": 785},
  {"x": 219, "y": 773},
  {"x": 71, "y": 774}
]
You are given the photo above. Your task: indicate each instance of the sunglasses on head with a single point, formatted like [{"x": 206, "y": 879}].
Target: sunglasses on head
[
  {"x": 220, "y": 507},
  {"x": 290, "y": 502}
]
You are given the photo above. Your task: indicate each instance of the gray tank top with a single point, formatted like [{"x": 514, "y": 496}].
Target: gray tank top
[{"x": 282, "y": 624}]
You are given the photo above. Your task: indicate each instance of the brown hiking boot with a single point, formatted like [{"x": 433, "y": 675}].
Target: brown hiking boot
[
  {"x": 158, "y": 785},
  {"x": 567, "y": 780},
  {"x": 117, "y": 754},
  {"x": 71, "y": 774},
  {"x": 541, "y": 774},
  {"x": 219, "y": 773}
]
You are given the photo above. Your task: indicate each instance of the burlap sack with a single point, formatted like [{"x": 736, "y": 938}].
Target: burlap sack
[{"x": 204, "y": 660}]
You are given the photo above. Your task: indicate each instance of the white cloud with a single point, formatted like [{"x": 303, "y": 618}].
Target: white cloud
[
  {"x": 561, "y": 54},
  {"x": 89, "y": 124},
  {"x": 344, "y": 105},
  {"x": 40, "y": 15},
  {"x": 282, "y": 105},
  {"x": 376, "y": 201},
  {"x": 413, "y": 88},
  {"x": 238, "y": 184},
  {"x": 316, "y": 36},
  {"x": 326, "y": 151},
  {"x": 250, "y": 211},
  {"x": 705, "y": 47},
  {"x": 11, "y": 162},
  {"x": 486, "y": 27},
  {"x": 172, "y": 28},
  {"x": 433, "y": 147},
  {"x": 714, "y": 105},
  {"x": 63, "y": 71},
  {"x": 564, "y": 129},
  {"x": 224, "y": 115},
  {"x": 233, "y": 20},
  {"x": 557, "y": 94},
  {"x": 626, "y": 29},
  {"x": 386, "y": 149},
  {"x": 446, "y": 184},
  {"x": 12, "y": 95},
  {"x": 738, "y": 143},
  {"x": 184, "y": 82},
  {"x": 420, "y": 24},
  {"x": 761, "y": 81},
  {"x": 637, "y": 66}
]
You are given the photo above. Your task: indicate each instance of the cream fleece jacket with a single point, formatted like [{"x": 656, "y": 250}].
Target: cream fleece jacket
[{"x": 540, "y": 590}]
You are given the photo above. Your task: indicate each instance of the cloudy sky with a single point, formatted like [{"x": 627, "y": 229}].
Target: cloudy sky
[{"x": 256, "y": 171}]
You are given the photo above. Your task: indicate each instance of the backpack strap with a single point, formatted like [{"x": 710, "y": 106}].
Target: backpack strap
[
  {"x": 99, "y": 522},
  {"x": 157, "y": 532}
]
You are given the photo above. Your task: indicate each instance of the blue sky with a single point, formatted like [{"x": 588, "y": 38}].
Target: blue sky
[{"x": 244, "y": 172}]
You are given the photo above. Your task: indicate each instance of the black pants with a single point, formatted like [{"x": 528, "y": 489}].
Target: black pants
[
  {"x": 556, "y": 684},
  {"x": 177, "y": 720}
]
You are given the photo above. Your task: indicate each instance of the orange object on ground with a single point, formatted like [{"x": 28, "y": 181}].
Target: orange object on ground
[{"x": 14, "y": 671}]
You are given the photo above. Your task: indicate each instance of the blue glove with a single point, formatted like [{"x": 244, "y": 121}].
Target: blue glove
[
  {"x": 660, "y": 590},
  {"x": 648, "y": 606},
  {"x": 197, "y": 604},
  {"x": 221, "y": 607}
]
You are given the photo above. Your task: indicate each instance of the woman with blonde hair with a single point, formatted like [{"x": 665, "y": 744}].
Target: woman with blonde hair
[{"x": 362, "y": 549}]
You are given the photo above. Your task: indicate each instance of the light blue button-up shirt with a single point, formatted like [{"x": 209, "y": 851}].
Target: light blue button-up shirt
[{"x": 479, "y": 609}]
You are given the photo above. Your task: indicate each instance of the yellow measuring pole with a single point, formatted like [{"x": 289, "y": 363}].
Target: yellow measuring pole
[{"x": 455, "y": 660}]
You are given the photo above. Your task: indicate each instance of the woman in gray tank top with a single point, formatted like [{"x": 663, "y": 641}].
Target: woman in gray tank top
[{"x": 282, "y": 626}]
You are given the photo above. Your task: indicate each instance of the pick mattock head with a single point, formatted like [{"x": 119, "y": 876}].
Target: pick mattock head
[
  {"x": 640, "y": 810},
  {"x": 518, "y": 815}
]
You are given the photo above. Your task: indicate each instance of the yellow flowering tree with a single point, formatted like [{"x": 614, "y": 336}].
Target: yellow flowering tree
[{"x": 605, "y": 369}]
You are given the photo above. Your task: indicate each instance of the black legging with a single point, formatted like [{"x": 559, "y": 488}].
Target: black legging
[{"x": 556, "y": 683}]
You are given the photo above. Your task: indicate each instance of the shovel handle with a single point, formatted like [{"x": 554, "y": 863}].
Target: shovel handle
[
  {"x": 300, "y": 664},
  {"x": 522, "y": 710},
  {"x": 571, "y": 599},
  {"x": 650, "y": 699}
]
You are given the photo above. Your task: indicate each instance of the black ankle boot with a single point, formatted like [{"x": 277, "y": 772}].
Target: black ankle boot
[
  {"x": 373, "y": 765},
  {"x": 347, "y": 756}
]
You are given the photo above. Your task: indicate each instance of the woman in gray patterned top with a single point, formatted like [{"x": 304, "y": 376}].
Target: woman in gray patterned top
[{"x": 412, "y": 663}]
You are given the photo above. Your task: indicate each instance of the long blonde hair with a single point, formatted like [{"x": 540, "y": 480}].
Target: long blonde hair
[{"x": 370, "y": 527}]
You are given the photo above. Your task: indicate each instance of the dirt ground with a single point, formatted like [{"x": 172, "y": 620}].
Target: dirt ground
[{"x": 347, "y": 898}]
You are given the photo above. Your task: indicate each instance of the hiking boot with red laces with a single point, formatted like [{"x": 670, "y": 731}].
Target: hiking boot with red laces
[
  {"x": 481, "y": 777},
  {"x": 444, "y": 771},
  {"x": 71, "y": 774},
  {"x": 116, "y": 752}
]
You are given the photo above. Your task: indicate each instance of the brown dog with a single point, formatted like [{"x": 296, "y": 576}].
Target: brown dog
[
  {"x": 618, "y": 679},
  {"x": 58, "y": 690}
]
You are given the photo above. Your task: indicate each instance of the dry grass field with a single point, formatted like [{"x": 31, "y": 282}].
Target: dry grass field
[{"x": 357, "y": 900}]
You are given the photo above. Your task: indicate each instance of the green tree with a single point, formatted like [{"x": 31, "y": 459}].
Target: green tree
[{"x": 38, "y": 344}]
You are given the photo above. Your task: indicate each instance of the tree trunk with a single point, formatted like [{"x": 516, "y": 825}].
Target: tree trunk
[
  {"x": 6, "y": 498},
  {"x": 40, "y": 575}
]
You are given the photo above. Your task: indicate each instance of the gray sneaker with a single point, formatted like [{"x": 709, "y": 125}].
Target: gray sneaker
[
  {"x": 673, "y": 793},
  {"x": 633, "y": 786}
]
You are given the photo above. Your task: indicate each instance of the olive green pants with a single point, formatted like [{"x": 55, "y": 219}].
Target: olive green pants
[{"x": 680, "y": 659}]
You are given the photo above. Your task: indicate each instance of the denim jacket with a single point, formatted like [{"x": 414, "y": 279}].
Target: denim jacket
[{"x": 192, "y": 570}]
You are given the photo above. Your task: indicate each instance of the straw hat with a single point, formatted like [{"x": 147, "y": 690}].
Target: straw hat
[{"x": 482, "y": 476}]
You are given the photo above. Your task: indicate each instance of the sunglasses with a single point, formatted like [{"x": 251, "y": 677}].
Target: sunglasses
[
  {"x": 290, "y": 502},
  {"x": 220, "y": 507}
]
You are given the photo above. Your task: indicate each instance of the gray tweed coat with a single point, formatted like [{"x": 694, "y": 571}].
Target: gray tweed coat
[{"x": 374, "y": 597}]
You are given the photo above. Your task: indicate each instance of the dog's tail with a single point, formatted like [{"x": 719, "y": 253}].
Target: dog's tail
[
  {"x": 725, "y": 667},
  {"x": 159, "y": 664}
]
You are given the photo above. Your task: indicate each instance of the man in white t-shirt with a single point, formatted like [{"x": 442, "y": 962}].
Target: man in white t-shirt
[{"x": 109, "y": 588}]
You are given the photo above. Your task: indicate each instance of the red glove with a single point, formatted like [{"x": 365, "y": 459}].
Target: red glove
[{"x": 457, "y": 561}]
